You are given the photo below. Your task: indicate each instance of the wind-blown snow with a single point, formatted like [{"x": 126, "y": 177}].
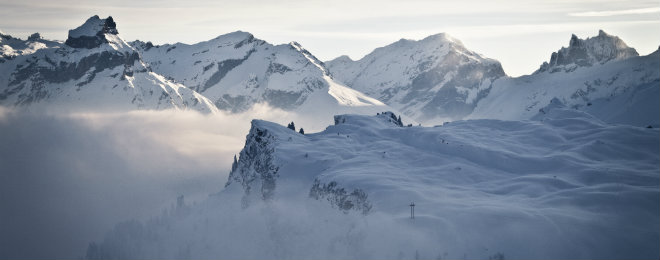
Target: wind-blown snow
[{"x": 566, "y": 187}]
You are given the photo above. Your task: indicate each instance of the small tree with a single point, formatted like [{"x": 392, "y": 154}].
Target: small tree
[
  {"x": 291, "y": 126},
  {"x": 234, "y": 165},
  {"x": 302, "y": 132}
]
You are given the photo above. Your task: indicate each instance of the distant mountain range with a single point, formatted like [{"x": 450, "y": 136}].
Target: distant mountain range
[{"x": 429, "y": 81}]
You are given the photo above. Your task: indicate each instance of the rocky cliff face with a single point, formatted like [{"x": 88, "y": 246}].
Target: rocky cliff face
[
  {"x": 261, "y": 170},
  {"x": 256, "y": 171}
]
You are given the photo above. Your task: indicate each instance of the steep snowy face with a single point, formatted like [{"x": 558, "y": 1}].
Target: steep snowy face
[
  {"x": 584, "y": 53},
  {"x": 623, "y": 91},
  {"x": 11, "y": 47},
  {"x": 237, "y": 71},
  {"x": 94, "y": 70},
  {"x": 345, "y": 193},
  {"x": 93, "y": 33},
  {"x": 431, "y": 80}
]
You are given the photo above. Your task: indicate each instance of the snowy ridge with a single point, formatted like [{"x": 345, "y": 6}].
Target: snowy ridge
[
  {"x": 237, "y": 71},
  {"x": 473, "y": 182},
  {"x": 97, "y": 73},
  {"x": 432, "y": 80},
  {"x": 584, "y": 53},
  {"x": 11, "y": 47},
  {"x": 622, "y": 91}
]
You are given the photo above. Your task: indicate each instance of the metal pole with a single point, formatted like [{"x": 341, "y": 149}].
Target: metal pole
[{"x": 412, "y": 210}]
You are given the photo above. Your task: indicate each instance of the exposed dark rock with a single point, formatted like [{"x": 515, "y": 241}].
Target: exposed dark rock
[
  {"x": 338, "y": 197},
  {"x": 40, "y": 74},
  {"x": 92, "y": 41},
  {"x": 223, "y": 68},
  {"x": 255, "y": 169},
  {"x": 34, "y": 37},
  {"x": 585, "y": 53}
]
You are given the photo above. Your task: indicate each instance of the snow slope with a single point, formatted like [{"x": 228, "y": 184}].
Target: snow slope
[
  {"x": 92, "y": 71},
  {"x": 237, "y": 71},
  {"x": 565, "y": 187},
  {"x": 432, "y": 80},
  {"x": 621, "y": 88}
]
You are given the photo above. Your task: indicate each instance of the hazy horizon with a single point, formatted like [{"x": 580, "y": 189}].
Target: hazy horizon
[{"x": 521, "y": 35}]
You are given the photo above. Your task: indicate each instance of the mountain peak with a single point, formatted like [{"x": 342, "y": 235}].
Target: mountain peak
[
  {"x": 438, "y": 36},
  {"x": 91, "y": 34},
  {"x": 236, "y": 35},
  {"x": 588, "y": 52}
]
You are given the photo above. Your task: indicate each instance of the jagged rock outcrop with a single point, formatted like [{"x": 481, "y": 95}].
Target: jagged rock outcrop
[
  {"x": 356, "y": 200},
  {"x": 256, "y": 172},
  {"x": 600, "y": 75},
  {"x": 585, "y": 53}
]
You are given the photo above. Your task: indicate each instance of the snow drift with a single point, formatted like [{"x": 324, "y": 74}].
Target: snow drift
[{"x": 566, "y": 186}]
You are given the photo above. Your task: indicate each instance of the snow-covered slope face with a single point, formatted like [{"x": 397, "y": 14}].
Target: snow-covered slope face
[
  {"x": 237, "y": 71},
  {"x": 589, "y": 52},
  {"x": 625, "y": 91},
  {"x": 94, "y": 70},
  {"x": 432, "y": 80},
  {"x": 11, "y": 47},
  {"x": 566, "y": 187}
]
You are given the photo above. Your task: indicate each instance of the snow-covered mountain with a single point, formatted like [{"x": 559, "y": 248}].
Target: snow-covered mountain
[
  {"x": 433, "y": 80},
  {"x": 569, "y": 186},
  {"x": 599, "y": 75},
  {"x": 237, "y": 71},
  {"x": 11, "y": 47},
  {"x": 589, "y": 52},
  {"x": 94, "y": 70}
]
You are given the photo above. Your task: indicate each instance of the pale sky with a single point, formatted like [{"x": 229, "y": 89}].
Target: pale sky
[{"x": 521, "y": 34}]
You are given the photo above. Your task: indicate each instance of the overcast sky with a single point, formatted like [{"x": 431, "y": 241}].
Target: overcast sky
[{"x": 520, "y": 34}]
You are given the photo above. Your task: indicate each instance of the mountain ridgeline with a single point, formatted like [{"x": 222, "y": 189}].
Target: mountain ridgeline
[
  {"x": 94, "y": 69},
  {"x": 569, "y": 151},
  {"x": 433, "y": 80},
  {"x": 429, "y": 81}
]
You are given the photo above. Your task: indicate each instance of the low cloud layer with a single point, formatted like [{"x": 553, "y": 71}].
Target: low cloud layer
[{"x": 67, "y": 179}]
